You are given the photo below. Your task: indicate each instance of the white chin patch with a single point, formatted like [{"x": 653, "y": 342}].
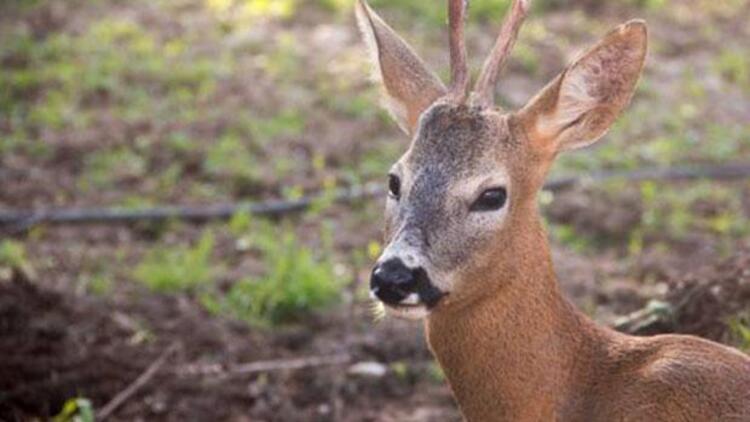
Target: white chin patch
[
  {"x": 412, "y": 299},
  {"x": 411, "y": 312}
]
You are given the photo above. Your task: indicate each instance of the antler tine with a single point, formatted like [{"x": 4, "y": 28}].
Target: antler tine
[
  {"x": 459, "y": 66},
  {"x": 485, "y": 87}
]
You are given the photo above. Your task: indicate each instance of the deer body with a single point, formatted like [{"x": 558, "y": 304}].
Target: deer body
[
  {"x": 467, "y": 253},
  {"x": 516, "y": 357}
]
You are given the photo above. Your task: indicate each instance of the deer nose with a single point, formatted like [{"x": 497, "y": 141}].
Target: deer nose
[{"x": 392, "y": 281}]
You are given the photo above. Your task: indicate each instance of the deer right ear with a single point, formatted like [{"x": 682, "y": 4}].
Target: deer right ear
[
  {"x": 408, "y": 86},
  {"x": 579, "y": 106}
]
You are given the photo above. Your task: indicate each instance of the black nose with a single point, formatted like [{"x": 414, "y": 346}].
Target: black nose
[{"x": 392, "y": 281}]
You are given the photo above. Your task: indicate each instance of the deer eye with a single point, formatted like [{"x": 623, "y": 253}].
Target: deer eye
[
  {"x": 394, "y": 186},
  {"x": 490, "y": 200}
]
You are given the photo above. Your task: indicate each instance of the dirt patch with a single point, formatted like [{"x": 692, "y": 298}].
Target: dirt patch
[
  {"x": 56, "y": 347},
  {"x": 45, "y": 361},
  {"x": 610, "y": 216},
  {"x": 708, "y": 302}
]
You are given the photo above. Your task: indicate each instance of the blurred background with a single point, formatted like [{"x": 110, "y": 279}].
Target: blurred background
[{"x": 133, "y": 104}]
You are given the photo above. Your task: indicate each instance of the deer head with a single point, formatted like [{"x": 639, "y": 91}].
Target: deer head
[{"x": 462, "y": 199}]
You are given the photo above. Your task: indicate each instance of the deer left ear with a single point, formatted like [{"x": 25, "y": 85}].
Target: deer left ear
[
  {"x": 579, "y": 106},
  {"x": 408, "y": 86}
]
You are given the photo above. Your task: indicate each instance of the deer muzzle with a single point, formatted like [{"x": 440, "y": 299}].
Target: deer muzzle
[{"x": 397, "y": 285}]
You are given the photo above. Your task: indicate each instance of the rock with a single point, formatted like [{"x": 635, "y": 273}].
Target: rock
[{"x": 368, "y": 369}]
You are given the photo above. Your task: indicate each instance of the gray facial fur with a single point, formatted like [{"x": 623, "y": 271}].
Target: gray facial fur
[{"x": 455, "y": 151}]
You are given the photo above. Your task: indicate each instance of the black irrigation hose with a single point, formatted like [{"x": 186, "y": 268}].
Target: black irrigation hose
[{"x": 20, "y": 221}]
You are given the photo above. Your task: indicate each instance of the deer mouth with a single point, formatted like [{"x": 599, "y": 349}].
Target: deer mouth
[
  {"x": 404, "y": 292},
  {"x": 410, "y": 307},
  {"x": 407, "y": 311},
  {"x": 416, "y": 306}
]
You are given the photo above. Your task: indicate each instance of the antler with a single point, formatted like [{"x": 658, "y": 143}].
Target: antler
[
  {"x": 459, "y": 67},
  {"x": 485, "y": 87}
]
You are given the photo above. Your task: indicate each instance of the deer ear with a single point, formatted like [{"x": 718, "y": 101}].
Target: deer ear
[
  {"x": 578, "y": 107},
  {"x": 408, "y": 87}
]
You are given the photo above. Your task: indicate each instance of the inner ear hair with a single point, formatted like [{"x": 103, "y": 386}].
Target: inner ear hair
[{"x": 579, "y": 106}]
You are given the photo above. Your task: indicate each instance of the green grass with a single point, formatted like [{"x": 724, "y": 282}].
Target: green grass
[
  {"x": 435, "y": 12},
  {"x": 78, "y": 409},
  {"x": 13, "y": 254},
  {"x": 173, "y": 269},
  {"x": 282, "y": 61},
  {"x": 249, "y": 10},
  {"x": 734, "y": 66},
  {"x": 98, "y": 284},
  {"x": 232, "y": 158},
  {"x": 298, "y": 279},
  {"x": 104, "y": 168},
  {"x": 647, "y": 4},
  {"x": 13, "y": 257},
  {"x": 700, "y": 207},
  {"x": 668, "y": 214},
  {"x": 740, "y": 329},
  {"x": 436, "y": 373},
  {"x": 60, "y": 82},
  {"x": 568, "y": 236},
  {"x": 287, "y": 123}
]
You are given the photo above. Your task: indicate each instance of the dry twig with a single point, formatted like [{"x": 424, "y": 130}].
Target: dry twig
[
  {"x": 136, "y": 385},
  {"x": 267, "y": 365}
]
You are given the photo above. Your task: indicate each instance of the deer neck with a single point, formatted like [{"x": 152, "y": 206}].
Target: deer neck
[{"x": 516, "y": 353}]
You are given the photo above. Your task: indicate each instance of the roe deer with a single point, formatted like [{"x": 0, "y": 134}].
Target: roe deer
[{"x": 467, "y": 252}]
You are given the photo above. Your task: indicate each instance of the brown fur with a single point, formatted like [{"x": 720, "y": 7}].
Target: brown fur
[
  {"x": 520, "y": 352},
  {"x": 512, "y": 347}
]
